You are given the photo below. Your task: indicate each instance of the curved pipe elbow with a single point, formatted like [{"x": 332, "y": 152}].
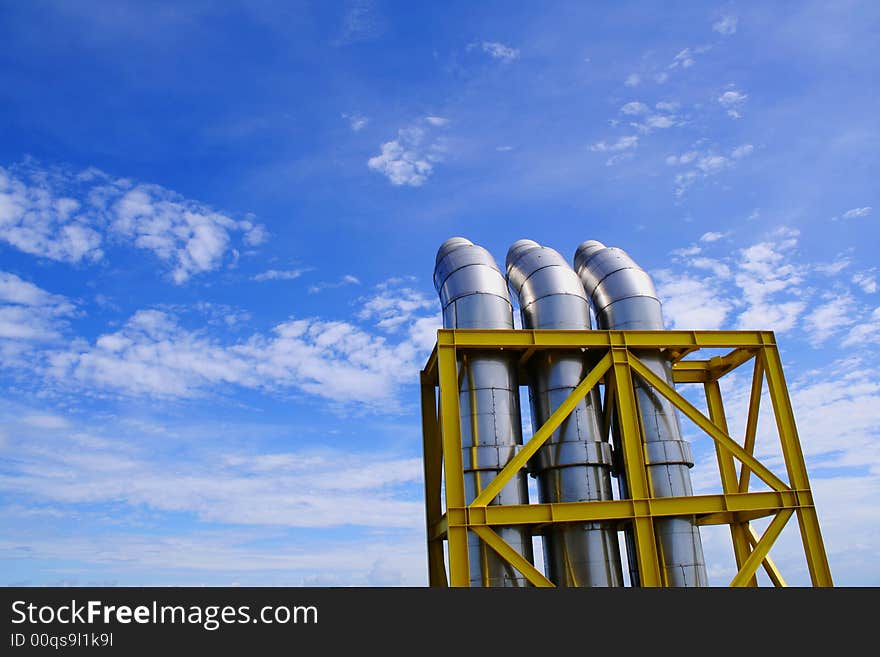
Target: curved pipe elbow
[
  {"x": 616, "y": 286},
  {"x": 549, "y": 292},
  {"x": 472, "y": 289}
]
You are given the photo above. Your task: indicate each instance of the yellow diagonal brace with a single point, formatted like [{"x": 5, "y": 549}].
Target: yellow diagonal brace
[
  {"x": 770, "y": 567},
  {"x": 762, "y": 547},
  {"x": 511, "y": 556},
  {"x": 706, "y": 424},
  {"x": 541, "y": 435},
  {"x": 752, "y": 421}
]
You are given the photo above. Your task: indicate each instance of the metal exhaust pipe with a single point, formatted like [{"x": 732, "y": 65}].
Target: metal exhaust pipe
[
  {"x": 473, "y": 294},
  {"x": 623, "y": 297},
  {"x": 575, "y": 463}
]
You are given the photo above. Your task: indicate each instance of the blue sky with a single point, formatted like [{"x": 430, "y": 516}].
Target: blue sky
[{"x": 218, "y": 226}]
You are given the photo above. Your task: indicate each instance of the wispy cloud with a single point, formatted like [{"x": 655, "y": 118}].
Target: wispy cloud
[
  {"x": 867, "y": 281},
  {"x": 279, "y": 274},
  {"x": 29, "y": 314},
  {"x": 356, "y": 122},
  {"x": 854, "y": 213},
  {"x": 620, "y": 148},
  {"x": 346, "y": 279},
  {"x": 394, "y": 306},
  {"x": 733, "y": 101},
  {"x": 713, "y": 236},
  {"x": 705, "y": 163},
  {"x": 500, "y": 51},
  {"x": 634, "y": 108},
  {"x": 726, "y": 25},
  {"x": 360, "y": 22},
  {"x": 64, "y": 216}
]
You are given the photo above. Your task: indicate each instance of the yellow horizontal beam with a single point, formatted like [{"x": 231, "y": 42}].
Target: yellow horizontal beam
[
  {"x": 521, "y": 339},
  {"x": 439, "y": 529},
  {"x": 764, "y": 502}
]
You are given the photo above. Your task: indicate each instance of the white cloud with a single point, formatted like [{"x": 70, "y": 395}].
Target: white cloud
[
  {"x": 766, "y": 269},
  {"x": 46, "y": 421},
  {"x": 719, "y": 269},
  {"x": 684, "y": 158},
  {"x": 394, "y": 306},
  {"x": 866, "y": 331},
  {"x": 753, "y": 288},
  {"x": 726, "y": 25},
  {"x": 779, "y": 317},
  {"x": 706, "y": 163},
  {"x": 660, "y": 121},
  {"x": 733, "y": 101},
  {"x": 153, "y": 355},
  {"x": 742, "y": 151},
  {"x": 857, "y": 212},
  {"x": 60, "y": 215},
  {"x": 661, "y": 77},
  {"x": 687, "y": 251},
  {"x": 29, "y": 314},
  {"x": 833, "y": 268},
  {"x": 190, "y": 237},
  {"x": 712, "y": 236},
  {"x": 633, "y": 80},
  {"x": 406, "y": 160},
  {"x": 621, "y": 144},
  {"x": 40, "y": 220},
  {"x": 667, "y": 106},
  {"x": 356, "y": 122},
  {"x": 684, "y": 59},
  {"x": 500, "y": 51},
  {"x": 279, "y": 275},
  {"x": 826, "y": 319},
  {"x": 867, "y": 281},
  {"x": 438, "y": 121},
  {"x": 634, "y": 108},
  {"x": 314, "y": 488},
  {"x": 690, "y": 303},
  {"x": 346, "y": 279}
]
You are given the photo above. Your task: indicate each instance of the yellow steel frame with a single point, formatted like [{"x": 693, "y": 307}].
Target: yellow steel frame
[{"x": 616, "y": 354}]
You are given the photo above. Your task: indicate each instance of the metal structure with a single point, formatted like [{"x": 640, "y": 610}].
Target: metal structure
[
  {"x": 479, "y": 521},
  {"x": 623, "y": 297},
  {"x": 575, "y": 463}
]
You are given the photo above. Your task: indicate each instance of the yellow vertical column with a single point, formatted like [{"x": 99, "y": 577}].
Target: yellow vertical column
[
  {"x": 635, "y": 471},
  {"x": 432, "y": 460},
  {"x": 456, "y": 514},
  {"x": 814, "y": 548}
]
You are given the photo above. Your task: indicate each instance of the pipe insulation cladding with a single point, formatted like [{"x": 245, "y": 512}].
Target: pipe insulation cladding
[
  {"x": 473, "y": 294},
  {"x": 574, "y": 465},
  {"x": 623, "y": 297}
]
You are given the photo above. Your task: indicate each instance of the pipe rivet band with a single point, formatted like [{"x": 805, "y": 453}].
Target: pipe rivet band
[
  {"x": 570, "y": 453},
  {"x": 669, "y": 452},
  {"x": 487, "y": 457}
]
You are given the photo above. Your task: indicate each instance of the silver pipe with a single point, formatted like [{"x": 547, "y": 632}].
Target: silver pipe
[
  {"x": 473, "y": 294},
  {"x": 624, "y": 298},
  {"x": 575, "y": 463}
]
